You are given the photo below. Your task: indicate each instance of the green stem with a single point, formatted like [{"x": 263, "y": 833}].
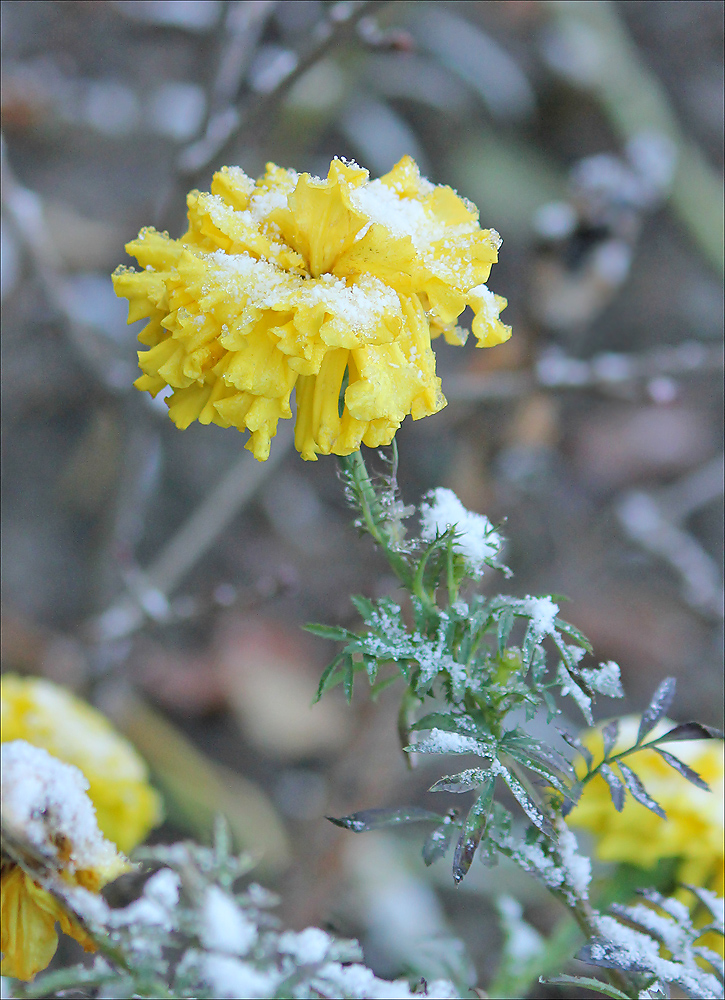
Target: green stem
[{"x": 354, "y": 465}]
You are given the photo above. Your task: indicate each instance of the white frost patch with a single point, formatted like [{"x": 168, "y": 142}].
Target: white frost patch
[
  {"x": 542, "y": 612},
  {"x": 439, "y": 741},
  {"x": 577, "y": 868},
  {"x": 156, "y": 906},
  {"x": 224, "y": 926},
  {"x": 476, "y": 538},
  {"x": 359, "y": 982},
  {"x": 569, "y": 686},
  {"x": 307, "y": 947},
  {"x": 231, "y": 978},
  {"x": 45, "y": 799},
  {"x": 606, "y": 679}
]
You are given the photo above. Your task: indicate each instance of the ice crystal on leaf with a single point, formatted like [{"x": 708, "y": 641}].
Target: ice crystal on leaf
[{"x": 296, "y": 283}]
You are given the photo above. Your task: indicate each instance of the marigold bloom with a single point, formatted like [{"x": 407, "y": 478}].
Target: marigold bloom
[
  {"x": 46, "y": 810},
  {"x": 693, "y": 829},
  {"x": 293, "y": 282},
  {"x": 47, "y": 716}
]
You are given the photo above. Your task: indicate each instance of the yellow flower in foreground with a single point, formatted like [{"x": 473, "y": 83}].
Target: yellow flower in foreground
[
  {"x": 47, "y": 812},
  {"x": 293, "y": 282},
  {"x": 693, "y": 829},
  {"x": 47, "y": 716}
]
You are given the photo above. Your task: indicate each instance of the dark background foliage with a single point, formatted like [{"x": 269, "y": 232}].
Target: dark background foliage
[{"x": 595, "y": 432}]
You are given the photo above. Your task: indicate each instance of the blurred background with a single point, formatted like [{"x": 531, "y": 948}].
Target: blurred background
[{"x": 166, "y": 575}]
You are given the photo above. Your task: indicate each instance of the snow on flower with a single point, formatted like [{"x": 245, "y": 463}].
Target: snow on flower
[
  {"x": 47, "y": 812},
  {"x": 332, "y": 288},
  {"x": 47, "y": 716}
]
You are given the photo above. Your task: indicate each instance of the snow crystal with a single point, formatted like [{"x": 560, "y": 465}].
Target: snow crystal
[
  {"x": 359, "y": 982},
  {"x": 577, "y": 868},
  {"x": 225, "y": 927},
  {"x": 605, "y": 679},
  {"x": 489, "y": 307},
  {"x": 439, "y": 741},
  {"x": 542, "y": 612},
  {"x": 476, "y": 539},
  {"x": 45, "y": 800},
  {"x": 307, "y": 946},
  {"x": 155, "y": 907},
  {"x": 231, "y": 978}
]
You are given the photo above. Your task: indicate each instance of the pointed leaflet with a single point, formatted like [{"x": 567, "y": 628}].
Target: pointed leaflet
[
  {"x": 585, "y": 983},
  {"x": 365, "y": 607},
  {"x": 575, "y": 634},
  {"x": 505, "y": 624},
  {"x": 329, "y": 678},
  {"x": 683, "y": 769},
  {"x": 616, "y": 788},
  {"x": 691, "y": 731},
  {"x": 473, "y": 830},
  {"x": 661, "y": 701},
  {"x": 329, "y": 632},
  {"x": 375, "y": 819},
  {"x": 526, "y": 802},
  {"x": 577, "y": 745},
  {"x": 610, "y": 732},
  {"x": 462, "y": 782}
]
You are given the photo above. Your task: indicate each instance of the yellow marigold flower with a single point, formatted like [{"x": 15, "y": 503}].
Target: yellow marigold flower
[
  {"x": 693, "y": 829},
  {"x": 297, "y": 283},
  {"x": 46, "y": 810},
  {"x": 48, "y": 716}
]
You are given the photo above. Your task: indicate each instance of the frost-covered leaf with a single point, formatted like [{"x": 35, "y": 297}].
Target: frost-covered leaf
[
  {"x": 585, "y": 983},
  {"x": 570, "y": 685},
  {"x": 605, "y": 679},
  {"x": 440, "y": 741},
  {"x": 684, "y": 769},
  {"x": 635, "y": 786},
  {"x": 616, "y": 788},
  {"x": 691, "y": 731},
  {"x": 714, "y": 904},
  {"x": 365, "y": 607},
  {"x": 536, "y": 758},
  {"x": 449, "y": 723},
  {"x": 505, "y": 624},
  {"x": 610, "y": 732},
  {"x": 462, "y": 782},
  {"x": 577, "y": 745},
  {"x": 713, "y": 959},
  {"x": 437, "y": 842},
  {"x": 473, "y": 829},
  {"x": 540, "y": 821},
  {"x": 574, "y": 633},
  {"x": 376, "y": 819},
  {"x": 657, "y": 708}
]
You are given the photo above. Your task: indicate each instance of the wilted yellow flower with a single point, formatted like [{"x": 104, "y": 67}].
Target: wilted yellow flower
[
  {"x": 50, "y": 717},
  {"x": 693, "y": 829},
  {"x": 51, "y": 820},
  {"x": 293, "y": 282}
]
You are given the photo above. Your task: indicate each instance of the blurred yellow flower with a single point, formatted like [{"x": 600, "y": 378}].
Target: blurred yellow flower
[
  {"x": 693, "y": 829},
  {"x": 293, "y": 282},
  {"x": 47, "y": 716},
  {"x": 51, "y": 822}
]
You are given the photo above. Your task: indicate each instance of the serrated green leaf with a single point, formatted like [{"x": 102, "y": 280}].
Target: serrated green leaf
[
  {"x": 505, "y": 624},
  {"x": 635, "y": 786},
  {"x": 573, "y": 632},
  {"x": 684, "y": 769},
  {"x": 585, "y": 983},
  {"x": 377, "y": 819},
  {"x": 348, "y": 672},
  {"x": 327, "y": 680},
  {"x": 540, "y": 821},
  {"x": 328, "y": 631},
  {"x": 616, "y": 788},
  {"x": 448, "y": 723},
  {"x": 365, "y": 607},
  {"x": 657, "y": 708}
]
